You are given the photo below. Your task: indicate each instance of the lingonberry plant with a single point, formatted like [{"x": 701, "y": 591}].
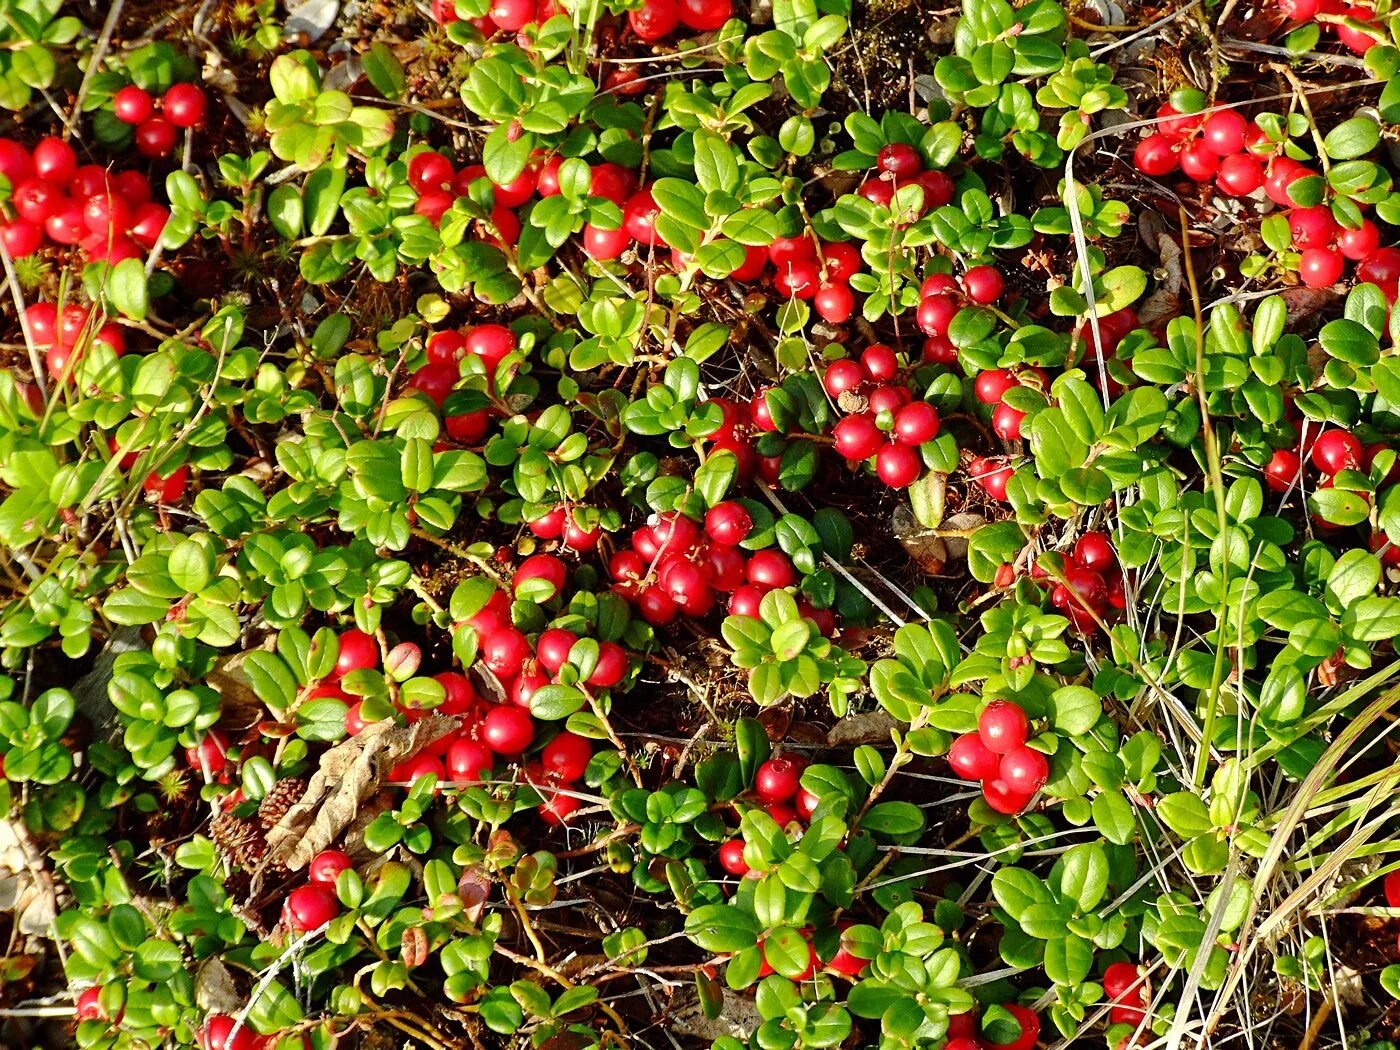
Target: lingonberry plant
[{"x": 561, "y": 524}]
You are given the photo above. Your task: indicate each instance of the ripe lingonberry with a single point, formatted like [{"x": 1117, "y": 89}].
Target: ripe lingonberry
[{"x": 1002, "y": 725}]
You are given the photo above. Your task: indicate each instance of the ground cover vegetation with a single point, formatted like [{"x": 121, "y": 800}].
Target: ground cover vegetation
[{"x": 660, "y": 523}]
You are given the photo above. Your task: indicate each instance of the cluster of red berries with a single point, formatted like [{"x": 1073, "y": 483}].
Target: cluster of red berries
[
  {"x": 439, "y": 374},
  {"x": 182, "y": 106},
  {"x": 1357, "y": 40},
  {"x": 108, "y": 214},
  {"x": 1093, "y": 582},
  {"x": 777, "y": 786},
  {"x": 964, "y": 1031},
  {"x": 562, "y": 524},
  {"x": 492, "y": 731},
  {"x": 1241, "y": 158},
  {"x": 940, "y": 299},
  {"x": 59, "y": 333},
  {"x": 891, "y": 427},
  {"x": 806, "y": 268},
  {"x": 992, "y": 474},
  {"x": 1333, "y": 451},
  {"x": 167, "y": 488},
  {"x": 312, "y": 905},
  {"x": 898, "y": 165},
  {"x": 1125, "y": 989},
  {"x": 997, "y": 755},
  {"x": 677, "y": 566},
  {"x": 225, "y": 1032},
  {"x": 657, "y": 19},
  {"x": 209, "y": 758},
  {"x": 991, "y": 387}
]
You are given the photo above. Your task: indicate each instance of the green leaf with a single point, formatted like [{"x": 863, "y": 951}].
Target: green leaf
[
  {"x": 1352, "y": 138},
  {"x": 385, "y": 71},
  {"x": 722, "y": 928},
  {"x": 127, "y": 288}
]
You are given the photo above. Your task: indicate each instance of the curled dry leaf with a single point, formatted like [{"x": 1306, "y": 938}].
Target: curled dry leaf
[
  {"x": 214, "y": 990},
  {"x": 929, "y": 552},
  {"x": 349, "y": 774}
]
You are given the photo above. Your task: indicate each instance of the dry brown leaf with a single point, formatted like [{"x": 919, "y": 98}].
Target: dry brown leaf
[
  {"x": 868, "y": 727},
  {"x": 349, "y": 774},
  {"x": 214, "y": 990}
]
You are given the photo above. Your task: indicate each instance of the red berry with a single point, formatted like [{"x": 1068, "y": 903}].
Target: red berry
[
  {"x": 1030, "y": 1028},
  {"x": 1312, "y": 227},
  {"x": 877, "y": 191},
  {"x": 1094, "y": 551},
  {"x": 577, "y": 538},
  {"x": 512, "y": 15},
  {"x": 1282, "y": 174},
  {"x": 935, "y": 314},
  {"x": 1199, "y": 162},
  {"x": 916, "y": 423},
  {"x": 640, "y": 213},
  {"x": 777, "y": 779},
  {"x": 1383, "y": 270},
  {"x": 1336, "y": 450},
  {"x": 992, "y": 475},
  {"x": 468, "y": 761},
  {"x": 310, "y": 907},
  {"x": 155, "y": 138},
  {"x": 430, "y": 170},
  {"x": 898, "y": 466},
  {"x": 507, "y": 730},
  {"x": 504, "y": 651},
  {"x": 938, "y": 188},
  {"x": 222, "y": 1032},
  {"x": 857, "y": 437},
  {"x": 1123, "y": 983},
  {"x": 1281, "y": 472},
  {"x": 1300, "y": 10},
  {"x": 799, "y": 279},
  {"x": 984, "y": 284},
  {"x": 992, "y": 384},
  {"x": 167, "y": 488},
  {"x": 88, "y": 1007},
  {"x": 558, "y": 807},
  {"x": 358, "y": 651},
  {"x": 745, "y": 601},
  {"x": 731, "y": 858},
  {"x": 728, "y": 523},
  {"x": 612, "y": 666},
  {"x": 1320, "y": 267},
  {"x": 1239, "y": 175},
  {"x": 705, "y": 16},
  {"x": 1224, "y": 132},
  {"x": 842, "y": 375},
  {"x": 541, "y": 567},
  {"x": 1175, "y": 123},
  {"x": 184, "y": 105},
  {"x": 1392, "y": 889},
  {"x": 654, "y": 19},
  {"x": 771, "y": 569},
  {"x": 1003, "y": 798},
  {"x": 566, "y": 756},
  {"x": 445, "y": 347},
  {"x": 1006, "y": 422},
  {"x": 842, "y": 261},
  {"x": 327, "y": 865},
  {"x": 21, "y": 238},
  {"x": 971, "y": 759},
  {"x": 37, "y": 199},
  {"x": 1156, "y": 155},
  {"x": 147, "y": 224},
  {"x": 1355, "y": 39},
  {"x": 1002, "y": 725},
  {"x": 15, "y": 162},
  {"x": 604, "y": 245},
  {"x": 1024, "y": 770},
  {"x": 553, "y": 647},
  {"x": 879, "y": 363},
  {"x": 55, "y": 161},
  {"x": 900, "y": 159},
  {"x": 834, "y": 302},
  {"x": 1360, "y": 243}
]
